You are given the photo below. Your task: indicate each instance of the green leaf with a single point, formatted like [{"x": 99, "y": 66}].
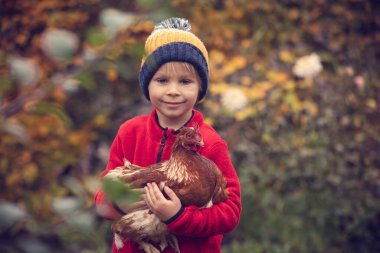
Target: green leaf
[
  {"x": 96, "y": 38},
  {"x": 51, "y": 108},
  {"x": 6, "y": 84},
  {"x": 136, "y": 50},
  {"x": 86, "y": 80},
  {"x": 117, "y": 191},
  {"x": 162, "y": 13},
  {"x": 146, "y": 3}
]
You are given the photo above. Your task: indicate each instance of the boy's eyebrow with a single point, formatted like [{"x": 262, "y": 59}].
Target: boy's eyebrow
[
  {"x": 158, "y": 74},
  {"x": 190, "y": 76}
]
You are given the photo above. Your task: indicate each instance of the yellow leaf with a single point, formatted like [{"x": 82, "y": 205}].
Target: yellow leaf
[
  {"x": 237, "y": 13},
  {"x": 25, "y": 156},
  {"x": 246, "y": 80},
  {"x": 311, "y": 107},
  {"x": 43, "y": 130},
  {"x": 284, "y": 108},
  {"x": 359, "y": 137},
  {"x": 256, "y": 93},
  {"x": 261, "y": 106},
  {"x": 305, "y": 83},
  {"x": 30, "y": 173},
  {"x": 293, "y": 14},
  {"x": 101, "y": 121},
  {"x": 209, "y": 120},
  {"x": 12, "y": 179},
  {"x": 289, "y": 85},
  {"x": 304, "y": 120},
  {"x": 357, "y": 121},
  {"x": 371, "y": 103},
  {"x": 219, "y": 88},
  {"x": 277, "y": 77},
  {"x": 112, "y": 74},
  {"x": 266, "y": 137},
  {"x": 21, "y": 38},
  {"x": 236, "y": 63},
  {"x": 277, "y": 120},
  {"x": 239, "y": 61},
  {"x": 245, "y": 113},
  {"x": 217, "y": 57},
  {"x": 59, "y": 94},
  {"x": 75, "y": 138},
  {"x": 259, "y": 90},
  {"x": 293, "y": 101},
  {"x": 286, "y": 56},
  {"x": 246, "y": 43}
]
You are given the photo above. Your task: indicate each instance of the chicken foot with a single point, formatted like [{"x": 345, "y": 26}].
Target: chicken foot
[
  {"x": 173, "y": 242},
  {"x": 148, "y": 248}
]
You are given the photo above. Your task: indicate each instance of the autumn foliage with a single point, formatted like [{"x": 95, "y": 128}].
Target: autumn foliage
[{"x": 294, "y": 90}]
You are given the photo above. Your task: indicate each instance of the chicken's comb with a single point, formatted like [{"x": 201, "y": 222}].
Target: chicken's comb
[{"x": 195, "y": 126}]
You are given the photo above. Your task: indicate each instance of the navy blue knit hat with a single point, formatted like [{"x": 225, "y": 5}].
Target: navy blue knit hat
[{"x": 172, "y": 40}]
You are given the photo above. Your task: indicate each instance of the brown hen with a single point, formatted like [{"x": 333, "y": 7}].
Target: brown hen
[{"x": 195, "y": 179}]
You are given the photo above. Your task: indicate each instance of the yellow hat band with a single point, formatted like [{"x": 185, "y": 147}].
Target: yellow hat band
[{"x": 165, "y": 36}]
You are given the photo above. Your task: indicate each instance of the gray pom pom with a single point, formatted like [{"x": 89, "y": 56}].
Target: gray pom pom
[{"x": 174, "y": 23}]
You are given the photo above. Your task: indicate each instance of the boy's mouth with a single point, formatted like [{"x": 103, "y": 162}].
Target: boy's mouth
[{"x": 173, "y": 102}]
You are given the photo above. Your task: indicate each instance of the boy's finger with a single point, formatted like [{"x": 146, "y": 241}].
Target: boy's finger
[
  {"x": 171, "y": 194},
  {"x": 138, "y": 190},
  {"x": 157, "y": 192}
]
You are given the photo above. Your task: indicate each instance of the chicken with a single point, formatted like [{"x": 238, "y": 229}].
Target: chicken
[{"x": 195, "y": 179}]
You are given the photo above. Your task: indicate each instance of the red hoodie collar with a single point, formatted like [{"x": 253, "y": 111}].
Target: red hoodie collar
[{"x": 156, "y": 131}]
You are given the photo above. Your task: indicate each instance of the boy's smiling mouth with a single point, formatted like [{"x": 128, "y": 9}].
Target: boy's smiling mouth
[
  {"x": 172, "y": 105},
  {"x": 172, "y": 102}
]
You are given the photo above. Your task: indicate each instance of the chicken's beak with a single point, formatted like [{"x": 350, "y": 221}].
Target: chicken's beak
[{"x": 201, "y": 143}]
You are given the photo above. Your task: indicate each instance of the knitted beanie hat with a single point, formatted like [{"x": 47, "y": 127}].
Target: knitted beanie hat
[{"x": 172, "y": 40}]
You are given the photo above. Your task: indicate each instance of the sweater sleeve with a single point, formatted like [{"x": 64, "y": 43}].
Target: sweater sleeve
[{"x": 220, "y": 218}]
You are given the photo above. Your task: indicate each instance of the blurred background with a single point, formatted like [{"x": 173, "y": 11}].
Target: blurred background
[{"x": 294, "y": 91}]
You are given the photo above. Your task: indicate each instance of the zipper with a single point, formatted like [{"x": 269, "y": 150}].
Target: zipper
[{"x": 162, "y": 145}]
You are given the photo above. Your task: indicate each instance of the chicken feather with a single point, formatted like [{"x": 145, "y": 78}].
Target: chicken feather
[{"x": 195, "y": 179}]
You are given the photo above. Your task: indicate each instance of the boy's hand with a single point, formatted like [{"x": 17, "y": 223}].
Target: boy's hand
[{"x": 163, "y": 208}]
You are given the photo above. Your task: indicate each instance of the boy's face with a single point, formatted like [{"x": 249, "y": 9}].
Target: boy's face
[{"x": 174, "y": 91}]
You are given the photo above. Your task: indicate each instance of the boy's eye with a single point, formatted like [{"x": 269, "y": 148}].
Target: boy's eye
[
  {"x": 186, "y": 81},
  {"x": 161, "y": 80}
]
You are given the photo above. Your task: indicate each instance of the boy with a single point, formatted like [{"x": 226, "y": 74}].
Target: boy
[{"x": 174, "y": 77}]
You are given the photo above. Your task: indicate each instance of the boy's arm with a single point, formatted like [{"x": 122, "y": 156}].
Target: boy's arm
[{"x": 220, "y": 218}]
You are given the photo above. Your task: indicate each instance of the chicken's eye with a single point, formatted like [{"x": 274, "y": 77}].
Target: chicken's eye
[{"x": 189, "y": 136}]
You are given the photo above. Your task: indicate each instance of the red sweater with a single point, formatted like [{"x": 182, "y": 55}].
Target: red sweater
[{"x": 143, "y": 141}]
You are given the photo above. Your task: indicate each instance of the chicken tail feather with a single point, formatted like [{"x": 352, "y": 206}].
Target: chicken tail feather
[
  {"x": 148, "y": 248},
  {"x": 173, "y": 242},
  {"x": 118, "y": 241},
  {"x": 221, "y": 192}
]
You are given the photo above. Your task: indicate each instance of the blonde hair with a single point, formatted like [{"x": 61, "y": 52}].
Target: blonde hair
[{"x": 171, "y": 67}]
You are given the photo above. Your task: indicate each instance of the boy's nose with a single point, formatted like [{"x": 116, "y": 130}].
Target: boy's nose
[{"x": 172, "y": 88}]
